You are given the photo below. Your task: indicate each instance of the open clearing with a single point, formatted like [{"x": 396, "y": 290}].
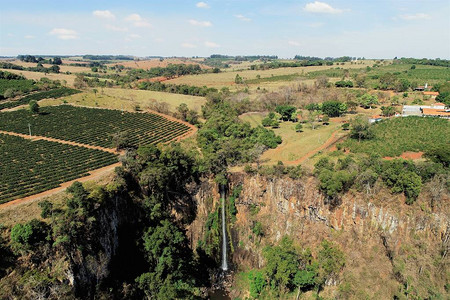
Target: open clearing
[
  {"x": 127, "y": 99},
  {"x": 219, "y": 80},
  {"x": 38, "y": 75},
  {"x": 295, "y": 145}
]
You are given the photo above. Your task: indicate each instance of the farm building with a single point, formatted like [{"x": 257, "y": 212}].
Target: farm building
[
  {"x": 416, "y": 110},
  {"x": 375, "y": 119},
  {"x": 440, "y": 113},
  {"x": 432, "y": 94}
]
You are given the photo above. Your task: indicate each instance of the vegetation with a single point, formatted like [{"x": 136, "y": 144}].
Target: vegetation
[
  {"x": 55, "y": 93},
  {"x": 395, "y": 136},
  {"x": 93, "y": 126},
  {"x": 37, "y": 166},
  {"x": 288, "y": 269}
]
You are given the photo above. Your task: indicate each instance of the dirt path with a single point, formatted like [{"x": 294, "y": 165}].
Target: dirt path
[
  {"x": 36, "y": 138},
  {"x": 95, "y": 174},
  {"x": 331, "y": 140}
]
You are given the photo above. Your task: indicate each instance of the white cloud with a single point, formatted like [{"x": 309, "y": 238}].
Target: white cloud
[
  {"x": 105, "y": 14},
  {"x": 243, "y": 18},
  {"x": 29, "y": 36},
  {"x": 64, "y": 34},
  {"x": 134, "y": 36},
  {"x": 138, "y": 21},
  {"x": 10, "y": 34},
  {"x": 202, "y": 5},
  {"x": 115, "y": 28},
  {"x": 133, "y": 18},
  {"x": 188, "y": 45},
  {"x": 321, "y": 7},
  {"x": 315, "y": 25},
  {"x": 294, "y": 43},
  {"x": 200, "y": 23},
  {"x": 419, "y": 16},
  {"x": 211, "y": 45}
]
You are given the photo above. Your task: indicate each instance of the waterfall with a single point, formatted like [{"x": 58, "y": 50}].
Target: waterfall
[{"x": 224, "y": 232}]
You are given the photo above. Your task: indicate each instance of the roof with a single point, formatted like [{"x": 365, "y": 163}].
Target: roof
[
  {"x": 439, "y": 104},
  {"x": 431, "y": 93},
  {"x": 377, "y": 117},
  {"x": 435, "y": 112}
]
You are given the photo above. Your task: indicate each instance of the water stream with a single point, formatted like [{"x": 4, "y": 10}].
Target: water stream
[{"x": 224, "y": 231}]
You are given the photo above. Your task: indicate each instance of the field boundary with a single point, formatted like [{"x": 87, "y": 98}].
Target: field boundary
[
  {"x": 94, "y": 174},
  {"x": 38, "y": 137}
]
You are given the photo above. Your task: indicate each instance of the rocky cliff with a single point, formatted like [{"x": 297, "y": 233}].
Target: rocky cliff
[{"x": 389, "y": 245}]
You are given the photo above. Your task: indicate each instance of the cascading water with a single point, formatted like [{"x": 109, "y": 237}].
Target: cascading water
[{"x": 224, "y": 232}]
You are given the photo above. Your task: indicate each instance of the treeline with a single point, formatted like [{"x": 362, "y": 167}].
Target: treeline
[
  {"x": 244, "y": 58},
  {"x": 295, "y": 64},
  {"x": 334, "y": 59},
  {"x": 176, "y": 89},
  {"x": 30, "y": 58},
  {"x": 38, "y": 68},
  {"x": 424, "y": 61},
  {"x": 171, "y": 71},
  {"x": 108, "y": 57}
]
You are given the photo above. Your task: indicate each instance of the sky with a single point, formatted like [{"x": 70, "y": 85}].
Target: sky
[{"x": 326, "y": 28}]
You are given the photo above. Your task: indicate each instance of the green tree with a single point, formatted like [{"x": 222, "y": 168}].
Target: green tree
[
  {"x": 238, "y": 79},
  {"x": 34, "y": 106},
  {"x": 282, "y": 264},
  {"x": 331, "y": 260},
  {"x": 46, "y": 208},
  {"x": 286, "y": 111},
  {"x": 257, "y": 283},
  {"x": 299, "y": 127},
  {"x": 360, "y": 128}
]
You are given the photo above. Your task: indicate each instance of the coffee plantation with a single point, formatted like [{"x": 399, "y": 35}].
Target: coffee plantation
[
  {"x": 55, "y": 93},
  {"x": 93, "y": 126},
  {"x": 29, "y": 167}
]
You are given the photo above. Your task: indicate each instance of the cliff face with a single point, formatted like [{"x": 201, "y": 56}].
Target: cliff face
[{"x": 385, "y": 240}]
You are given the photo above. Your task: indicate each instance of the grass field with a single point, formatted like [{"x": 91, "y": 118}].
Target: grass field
[
  {"x": 38, "y": 75},
  {"x": 92, "y": 126},
  {"x": 295, "y": 144},
  {"x": 63, "y": 68},
  {"x": 127, "y": 99},
  {"x": 398, "y": 135},
  {"x": 219, "y": 80},
  {"x": 30, "y": 167}
]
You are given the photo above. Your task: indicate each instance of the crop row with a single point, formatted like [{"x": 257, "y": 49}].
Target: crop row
[
  {"x": 55, "y": 93},
  {"x": 93, "y": 126},
  {"x": 30, "y": 167}
]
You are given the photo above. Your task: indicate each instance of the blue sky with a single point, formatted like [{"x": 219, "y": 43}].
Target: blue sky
[{"x": 362, "y": 28}]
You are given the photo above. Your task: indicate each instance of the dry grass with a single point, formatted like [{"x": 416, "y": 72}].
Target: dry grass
[
  {"x": 295, "y": 144},
  {"x": 127, "y": 99},
  {"x": 38, "y": 75},
  {"x": 63, "y": 69},
  {"x": 153, "y": 63},
  {"x": 227, "y": 78}
]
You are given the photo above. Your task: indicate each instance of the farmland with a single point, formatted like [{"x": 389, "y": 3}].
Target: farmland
[
  {"x": 93, "y": 126},
  {"x": 395, "y": 136},
  {"x": 30, "y": 167},
  {"x": 55, "y": 93},
  {"x": 227, "y": 78},
  {"x": 127, "y": 99}
]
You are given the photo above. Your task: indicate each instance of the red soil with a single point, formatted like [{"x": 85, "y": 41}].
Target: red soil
[{"x": 407, "y": 155}]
